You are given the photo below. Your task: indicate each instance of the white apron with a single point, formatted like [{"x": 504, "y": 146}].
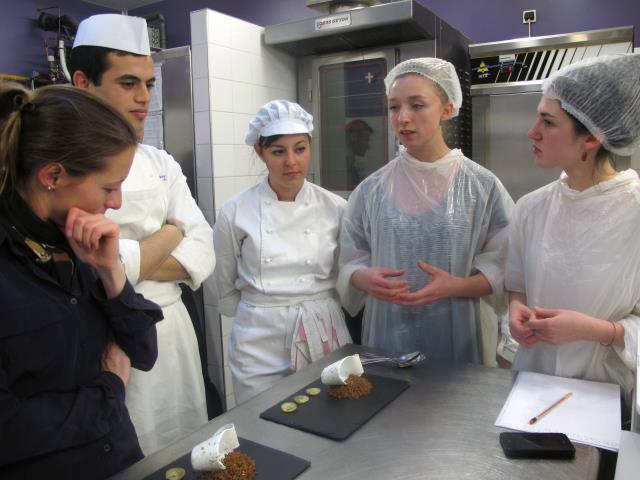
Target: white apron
[
  {"x": 580, "y": 251},
  {"x": 168, "y": 402},
  {"x": 271, "y": 342}
]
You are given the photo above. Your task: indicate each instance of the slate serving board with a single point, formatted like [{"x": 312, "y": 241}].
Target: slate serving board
[
  {"x": 271, "y": 464},
  {"x": 333, "y": 418}
]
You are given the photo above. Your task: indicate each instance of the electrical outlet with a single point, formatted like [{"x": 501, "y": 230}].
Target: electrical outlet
[{"x": 528, "y": 16}]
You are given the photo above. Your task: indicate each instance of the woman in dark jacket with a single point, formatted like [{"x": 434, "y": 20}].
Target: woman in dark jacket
[{"x": 71, "y": 326}]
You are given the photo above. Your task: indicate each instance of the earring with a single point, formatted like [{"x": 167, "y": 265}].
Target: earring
[
  {"x": 584, "y": 156},
  {"x": 50, "y": 187}
]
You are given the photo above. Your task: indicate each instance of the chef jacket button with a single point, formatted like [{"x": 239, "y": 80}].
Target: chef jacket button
[
  {"x": 269, "y": 284},
  {"x": 106, "y": 447},
  {"x": 308, "y": 262},
  {"x": 301, "y": 280},
  {"x": 267, "y": 260},
  {"x": 269, "y": 230},
  {"x": 74, "y": 301},
  {"x": 267, "y": 202},
  {"x": 307, "y": 231}
]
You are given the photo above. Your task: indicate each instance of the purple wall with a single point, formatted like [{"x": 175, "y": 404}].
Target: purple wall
[
  {"x": 261, "y": 12},
  {"x": 480, "y": 20},
  {"x": 22, "y": 42}
]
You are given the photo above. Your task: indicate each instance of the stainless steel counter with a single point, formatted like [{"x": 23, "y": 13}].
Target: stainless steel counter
[{"x": 440, "y": 428}]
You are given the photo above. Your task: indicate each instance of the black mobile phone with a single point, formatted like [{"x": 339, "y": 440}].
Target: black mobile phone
[{"x": 536, "y": 445}]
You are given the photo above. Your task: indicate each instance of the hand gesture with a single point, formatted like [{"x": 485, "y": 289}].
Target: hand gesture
[
  {"x": 558, "y": 327},
  {"x": 116, "y": 361},
  {"x": 519, "y": 316},
  {"x": 376, "y": 282},
  {"x": 439, "y": 286}
]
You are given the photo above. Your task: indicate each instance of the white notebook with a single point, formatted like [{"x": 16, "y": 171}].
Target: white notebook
[{"x": 591, "y": 415}]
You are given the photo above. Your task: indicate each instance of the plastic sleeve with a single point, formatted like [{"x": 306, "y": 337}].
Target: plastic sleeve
[{"x": 355, "y": 253}]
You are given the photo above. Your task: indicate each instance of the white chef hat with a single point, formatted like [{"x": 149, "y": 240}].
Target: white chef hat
[
  {"x": 437, "y": 70},
  {"x": 278, "y": 117},
  {"x": 114, "y": 31},
  {"x": 602, "y": 93}
]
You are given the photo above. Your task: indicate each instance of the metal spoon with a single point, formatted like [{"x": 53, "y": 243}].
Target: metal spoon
[{"x": 406, "y": 360}]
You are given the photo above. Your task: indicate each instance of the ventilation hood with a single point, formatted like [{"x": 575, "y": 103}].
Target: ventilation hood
[{"x": 385, "y": 24}]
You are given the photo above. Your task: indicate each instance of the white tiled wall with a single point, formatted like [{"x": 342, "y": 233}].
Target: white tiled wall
[{"x": 234, "y": 73}]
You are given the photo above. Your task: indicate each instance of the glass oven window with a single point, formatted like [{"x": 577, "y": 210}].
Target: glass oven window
[{"x": 353, "y": 111}]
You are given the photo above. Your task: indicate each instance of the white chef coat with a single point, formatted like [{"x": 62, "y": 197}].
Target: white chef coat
[
  {"x": 276, "y": 273},
  {"x": 451, "y": 213},
  {"x": 168, "y": 402},
  {"x": 580, "y": 251}
]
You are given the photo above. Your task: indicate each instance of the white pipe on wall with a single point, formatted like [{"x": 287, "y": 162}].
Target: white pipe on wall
[{"x": 63, "y": 60}]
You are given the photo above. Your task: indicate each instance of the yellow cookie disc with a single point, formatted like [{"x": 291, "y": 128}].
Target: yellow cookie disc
[
  {"x": 175, "y": 473},
  {"x": 288, "y": 407}
]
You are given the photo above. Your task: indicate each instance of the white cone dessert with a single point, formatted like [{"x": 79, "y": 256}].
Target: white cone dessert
[
  {"x": 338, "y": 372},
  {"x": 208, "y": 455}
]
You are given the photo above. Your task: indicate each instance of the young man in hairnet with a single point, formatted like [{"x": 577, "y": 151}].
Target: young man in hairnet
[{"x": 165, "y": 238}]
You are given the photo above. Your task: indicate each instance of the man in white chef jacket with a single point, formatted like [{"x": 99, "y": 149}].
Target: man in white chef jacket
[{"x": 165, "y": 238}]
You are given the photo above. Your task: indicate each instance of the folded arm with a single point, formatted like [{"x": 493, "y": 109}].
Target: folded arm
[{"x": 156, "y": 262}]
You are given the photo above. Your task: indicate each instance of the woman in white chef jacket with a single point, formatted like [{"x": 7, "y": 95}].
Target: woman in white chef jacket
[
  {"x": 277, "y": 247},
  {"x": 573, "y": 263}
]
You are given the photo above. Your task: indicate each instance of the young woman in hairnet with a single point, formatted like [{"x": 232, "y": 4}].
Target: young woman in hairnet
[
  {"x": 573, "y": 268},
  {"x": 277, "y": 249},
  {"x": 422, "y": 237}
]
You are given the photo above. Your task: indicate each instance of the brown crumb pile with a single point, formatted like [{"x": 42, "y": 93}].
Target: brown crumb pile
[
  {"x": 356, "y": 387},
  {"x": 239, "y": 466}
]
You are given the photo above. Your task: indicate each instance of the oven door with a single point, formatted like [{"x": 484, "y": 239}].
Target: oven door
[{"x": 352, "y": 136}]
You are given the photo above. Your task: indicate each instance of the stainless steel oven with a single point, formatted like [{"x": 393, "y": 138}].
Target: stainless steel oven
[{"x": 342, "y": 60}]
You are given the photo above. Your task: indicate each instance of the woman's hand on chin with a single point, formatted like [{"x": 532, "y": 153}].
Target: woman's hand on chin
[{"x": 94, "y": 239}]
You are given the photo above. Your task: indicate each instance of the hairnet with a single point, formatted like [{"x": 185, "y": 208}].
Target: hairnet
[
  {"x": 602, "y": 93},
  {"x": 278, "y": 117},
  {"x": 437, "y": 70}
]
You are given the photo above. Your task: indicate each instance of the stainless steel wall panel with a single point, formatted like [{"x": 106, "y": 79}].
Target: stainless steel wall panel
[
  {"x": 501, "y": 123},
  {"x": 177, "y": 101}
]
